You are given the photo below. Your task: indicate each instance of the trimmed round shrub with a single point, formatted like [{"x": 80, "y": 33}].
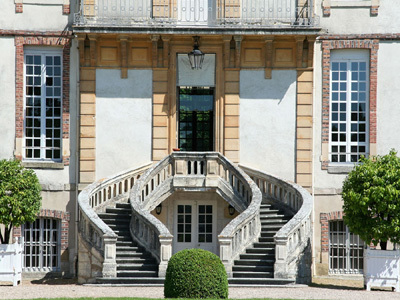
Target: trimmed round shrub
[{"x": 195, "y": 273}]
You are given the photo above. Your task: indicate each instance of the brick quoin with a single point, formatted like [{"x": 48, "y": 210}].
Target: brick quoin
[
  {"x": 23, "y": 38},
  {"x": 66, "y": 9},
  {"x": 19, "y": 8},
  {"x": 350, "y": 42},
  {"x": 324, "y": 220}
]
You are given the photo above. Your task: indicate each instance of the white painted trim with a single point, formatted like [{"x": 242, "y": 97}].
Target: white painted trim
[
  {"x": 42, "y": 2},
  {"x": 350, "y": 3}
]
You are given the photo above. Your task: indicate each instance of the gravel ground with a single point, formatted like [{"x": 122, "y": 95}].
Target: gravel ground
[{"x": 322, "y": 288}]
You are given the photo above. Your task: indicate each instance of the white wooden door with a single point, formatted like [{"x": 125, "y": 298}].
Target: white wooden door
[
  {"x": 195, "y": 225},
  {"x": 196, "y": 12}
]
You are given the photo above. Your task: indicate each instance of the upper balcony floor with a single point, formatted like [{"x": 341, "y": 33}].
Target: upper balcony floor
[{"x": 195, "y": 15}]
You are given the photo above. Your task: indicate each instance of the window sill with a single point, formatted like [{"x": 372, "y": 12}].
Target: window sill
[
  {"x": 43, "y": 2},
  {"x": 351, "y": 3},
  {"x": 43, "y": 165},
  {"x": 340, "y": 168}
]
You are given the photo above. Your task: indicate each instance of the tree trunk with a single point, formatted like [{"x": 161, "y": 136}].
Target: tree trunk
[{"x": 383, "y": 245}]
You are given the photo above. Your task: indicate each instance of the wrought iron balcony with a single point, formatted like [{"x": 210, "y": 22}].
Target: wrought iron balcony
[{"x": 196, "y": 13}]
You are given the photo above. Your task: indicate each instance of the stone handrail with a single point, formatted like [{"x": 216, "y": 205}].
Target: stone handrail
[
  {"x": 94, "y": 199},
  {"x": 195, "y": 170},
  {"x": 293, "y": 240}
]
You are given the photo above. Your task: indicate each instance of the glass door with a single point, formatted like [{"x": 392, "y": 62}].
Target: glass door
[
  {"x": 195, "y": 226},
  {"x": 196, "y": 118}
]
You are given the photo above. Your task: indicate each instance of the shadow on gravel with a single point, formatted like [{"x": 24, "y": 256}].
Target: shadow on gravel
[
  {"x": 335, "y": 287},
  {"x": 54, "y": 280}
]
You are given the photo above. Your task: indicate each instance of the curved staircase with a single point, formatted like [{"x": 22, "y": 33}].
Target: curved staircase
[
  {"x": 135, "y": 266},
  {"x": 118, "y": 232},
  {"x": 256, "y": 266}
]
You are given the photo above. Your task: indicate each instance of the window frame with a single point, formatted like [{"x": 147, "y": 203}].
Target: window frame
[
  {"x": 43, "y": 52},
  {"x": 42, "y": 244},
  {"x": 349, "y": 56}
]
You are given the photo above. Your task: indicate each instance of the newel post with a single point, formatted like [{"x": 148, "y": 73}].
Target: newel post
[
  {"x": 225, "y": 253},
  {"x": 281, "y": 254},
  {"x": 110, "y": 263},
  {"x": 165, "y": 254}
]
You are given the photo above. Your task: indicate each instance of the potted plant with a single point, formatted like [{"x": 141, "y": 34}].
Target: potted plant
[
  {"x": 20, "y": 202},
  {"x": 371, "y": 196}
]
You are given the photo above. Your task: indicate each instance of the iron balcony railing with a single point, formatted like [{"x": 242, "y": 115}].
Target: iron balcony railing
[{"x": 196, "y": 13}]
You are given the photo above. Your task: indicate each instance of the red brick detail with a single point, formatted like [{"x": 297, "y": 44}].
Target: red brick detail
[
  {"x": 54, "y": 214},
  {"x": 51, "y": 39},
  {"x": 353, "y": 42},
  {"x": 66, "y": 9},
  {"x": 324, "y": 220},
  {"x": 374, "y": 11},
  {"x": 19, "y": 8},
  {"x": 326, "y": 11}
]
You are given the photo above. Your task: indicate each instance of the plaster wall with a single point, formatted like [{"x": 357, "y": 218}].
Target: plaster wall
[
  {"x": 388, "y": 121},
  {"x": 358, "y": 20},
  {"x": 37, "y": 15},
  {"x": 123, "y": 120},
  {"x": 268, "y": 121},
  {"x": 7, "y": 97}
]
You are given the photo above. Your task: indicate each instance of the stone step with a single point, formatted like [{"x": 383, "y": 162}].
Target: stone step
[
  {"x": 132, "y": 254},
  {"x": 119, "y": 227},
  {"x": 126, "y": 243},
  {"x": 255, "y": 256},
  {"x": 134, "y": 260},
  {"x": 137, "y": 273},
  {"x": 137, "y": 267},
  {"x": 259, "y": 281},
  {"x": 265, "y": 251},
  {"x": 254, "y": 268},
  {"x": 114, "y": 215},
  {"x": 266, "y": 240},
  {"x": 130, "y": 248},
  {"x": 111, "y": 219},
  {"x": 118, "y": 210},
  {"x": 123, "y": 205},
  {"x": 268, "y": 234},
  {"x": 252, "y": 262},
  {"x": 253, "y": 274},
  {"x": 153, "y": 281},
  {"x": 263, "y": 245}
]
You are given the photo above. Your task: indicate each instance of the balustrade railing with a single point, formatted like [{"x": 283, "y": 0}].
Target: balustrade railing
[
  {"x": 236, "y": 13},
  {"x": 94, "y": 199},
  {"x": 293, "y": 240},
  {"x": 195, "y": 170}
]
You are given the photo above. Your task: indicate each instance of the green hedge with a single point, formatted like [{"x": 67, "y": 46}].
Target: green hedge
[{"x": 195, "y": 273}]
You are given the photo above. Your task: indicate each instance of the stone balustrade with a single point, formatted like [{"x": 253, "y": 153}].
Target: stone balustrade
[
  {"x": 97, "y": 240},
  {"x": 195, "y": 171},
  {"x": 293, "y": 240}
]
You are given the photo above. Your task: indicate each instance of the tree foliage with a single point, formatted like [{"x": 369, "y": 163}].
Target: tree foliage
[
  {"x": 20, "y": 198},
  {"x": 195, "y": 273},
  {"x": 371, "y": 195}
]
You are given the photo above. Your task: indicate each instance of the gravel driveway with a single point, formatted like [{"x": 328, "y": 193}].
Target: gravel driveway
[{"x": 322, "y": 290}]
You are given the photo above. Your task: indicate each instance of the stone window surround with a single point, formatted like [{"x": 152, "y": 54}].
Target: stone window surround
[
  {"x": 65, "y": 4},
  {"x": 55, "y": 214},
  {"x": 333, "y": 44},
  {"x": 54, "y": 39},
  {"x": 328, "y": 4}
]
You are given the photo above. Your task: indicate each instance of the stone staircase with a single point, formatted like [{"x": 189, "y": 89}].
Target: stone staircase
[
  {"x": 256, "y": 266},
  {"x": 135, "y": 266}
]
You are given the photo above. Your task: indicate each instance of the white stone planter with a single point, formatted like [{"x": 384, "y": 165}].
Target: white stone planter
[
  {"x": 11, "y": 262},
  {"x": 382, "y": 269}
]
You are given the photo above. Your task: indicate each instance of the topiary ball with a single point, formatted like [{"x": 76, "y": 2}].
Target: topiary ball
[{"x": 195, "y": 273}]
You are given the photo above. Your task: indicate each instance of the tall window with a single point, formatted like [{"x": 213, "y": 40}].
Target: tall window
[
  {"x": 349, "y": 105},
  {"x": 43, "y": 105},
  {"x": 42, "y": 245},
  {"x": 346, "y": 250}
]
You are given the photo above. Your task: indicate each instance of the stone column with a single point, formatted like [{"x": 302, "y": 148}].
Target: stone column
[
  {"x": 165, "y": 254},
  {"x": 110, "y": 263}
]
